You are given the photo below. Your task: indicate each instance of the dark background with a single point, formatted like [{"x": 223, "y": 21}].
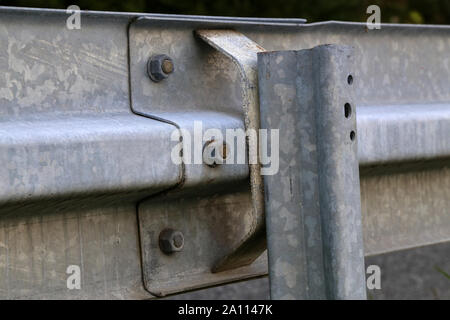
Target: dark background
[{"x": 394, "y": 11}]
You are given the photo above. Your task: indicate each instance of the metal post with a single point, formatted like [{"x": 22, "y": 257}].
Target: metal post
[{"x": 313, "y": 210}]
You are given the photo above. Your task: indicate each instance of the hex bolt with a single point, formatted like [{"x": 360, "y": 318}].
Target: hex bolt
[
  {"x": 159, "y": 67},
  {"x": 171, "y": 241},
  {"x": 167, "y": 66},
  {"x": 215, "y": 152}
]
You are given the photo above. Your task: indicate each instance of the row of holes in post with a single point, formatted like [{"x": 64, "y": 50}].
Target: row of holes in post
[{"x": 348, "y": 109}]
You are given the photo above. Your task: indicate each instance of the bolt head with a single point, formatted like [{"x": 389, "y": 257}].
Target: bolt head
[
  {"x": 171, "y": 241},
  {"x": 215, "y": 152},
  {"x": 159, "y": 67},
  {"x": 167, "y": 66}
]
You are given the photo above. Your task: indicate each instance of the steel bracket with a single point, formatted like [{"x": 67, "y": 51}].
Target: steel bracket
[
  {"x": 243, "y": 52},
  {"x": 219, "y": 210}
]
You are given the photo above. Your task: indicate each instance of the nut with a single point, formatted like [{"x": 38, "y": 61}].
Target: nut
[
  {"x": 215, "y": 152},
  {"x": 171, "y": 241},
  {"x": 159, "y": 67}
]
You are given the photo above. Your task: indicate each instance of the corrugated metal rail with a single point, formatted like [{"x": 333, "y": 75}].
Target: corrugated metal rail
[{"x": 86, "y": 137}]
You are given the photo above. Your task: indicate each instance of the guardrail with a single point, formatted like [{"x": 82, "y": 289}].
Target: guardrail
[{"x": 86, "y": 141}]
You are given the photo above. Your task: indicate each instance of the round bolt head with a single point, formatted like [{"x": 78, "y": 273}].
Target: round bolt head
[
  {"x": 159, "y": 67},
  {"x": 215, "y": 152},
  {"x": 171, "y": 241},
  {"x": 167, "y": 66}
]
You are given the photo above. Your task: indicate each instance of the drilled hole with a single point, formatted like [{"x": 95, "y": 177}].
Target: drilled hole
[
  {"x": 352, "y": 135},
  {"x": 347, "y": 110},
  {"x": 350, "y": 79}
]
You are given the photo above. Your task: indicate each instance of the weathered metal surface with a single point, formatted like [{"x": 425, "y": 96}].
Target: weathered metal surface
[
  {"x": 54, "y": 75},
  {"x": 209, "y": 93},
  {"x": 406, "y": 275},
  {"x": 67, "y": 157},
  {"x": 37, "y": 247},
  {"x": 127, "y": 16},
  {"x": 48, "y": 70},
  {"x": 215, "y": 108},
  {"x": 66, "y": 127},
  {"x": 75, "y": 160},
  {"x": 396, "y": 65},
  {"x": 421, "y": 214},
  {"x": 212, "y": 221},
  {"x": 159, "y": 67},
  {"x": 314, "y": 230},
  {"x": 403, "y": 133},
  {"x": 248, "y": 245}
]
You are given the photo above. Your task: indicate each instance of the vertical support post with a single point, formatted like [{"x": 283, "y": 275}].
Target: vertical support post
[{"x": 313, "y": 210}]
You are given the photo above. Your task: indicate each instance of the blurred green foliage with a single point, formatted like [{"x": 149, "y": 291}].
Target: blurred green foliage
[{"x": 395, "y": 11}]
